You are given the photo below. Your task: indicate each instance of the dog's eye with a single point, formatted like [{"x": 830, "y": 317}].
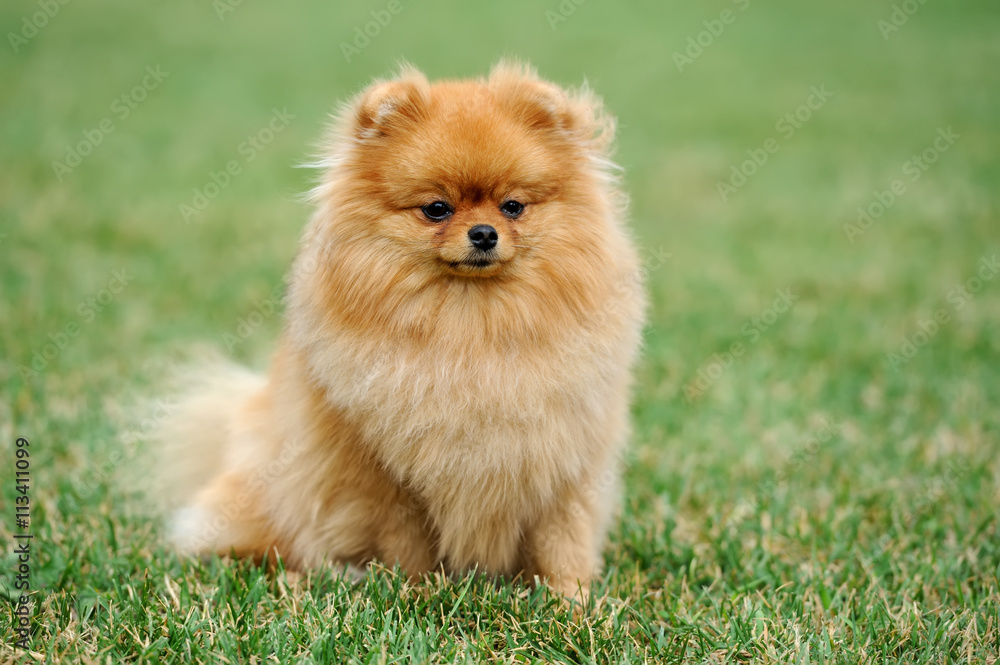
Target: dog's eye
[
  {"x": 437, "y": 210},
  {"x": 512, "y": 208}
]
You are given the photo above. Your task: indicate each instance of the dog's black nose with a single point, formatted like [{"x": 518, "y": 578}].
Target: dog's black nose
[{"x": 483, "y": 237}]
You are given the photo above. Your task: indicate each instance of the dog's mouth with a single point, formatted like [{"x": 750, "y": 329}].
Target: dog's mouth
[
  {"x": 482, "y": 262},
  {"x": 476, "y": 261}
]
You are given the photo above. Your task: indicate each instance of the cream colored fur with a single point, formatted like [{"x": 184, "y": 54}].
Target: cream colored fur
[{"x": 417, "y": 411}]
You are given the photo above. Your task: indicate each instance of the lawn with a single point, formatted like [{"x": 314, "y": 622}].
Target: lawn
[{"x": 814, "y": 474}]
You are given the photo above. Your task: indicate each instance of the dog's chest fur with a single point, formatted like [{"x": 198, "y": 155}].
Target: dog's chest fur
[{"x": 496, "y": 433}]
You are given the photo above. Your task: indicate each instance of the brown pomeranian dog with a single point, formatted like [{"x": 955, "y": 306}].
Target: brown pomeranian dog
[{"x": 451, "y": 390}]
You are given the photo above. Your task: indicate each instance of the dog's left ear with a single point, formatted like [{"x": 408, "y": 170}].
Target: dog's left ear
[{"x": 576, "y": 114}]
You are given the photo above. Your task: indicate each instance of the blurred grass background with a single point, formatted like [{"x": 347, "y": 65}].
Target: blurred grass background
[{"x": 742, "y": 538}]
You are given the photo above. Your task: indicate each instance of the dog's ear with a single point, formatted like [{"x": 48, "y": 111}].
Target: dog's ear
[
  {"x": 386, "y": 105},
  {"x": 576, "y": 114}
]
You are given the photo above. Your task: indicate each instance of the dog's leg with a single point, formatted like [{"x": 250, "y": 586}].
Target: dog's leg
[
  {"x": 405, "y": 538},
  {"x": 562, "y": 547}
]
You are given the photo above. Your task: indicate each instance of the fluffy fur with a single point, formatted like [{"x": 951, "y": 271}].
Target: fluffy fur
[{"x": 424, "y": 407}]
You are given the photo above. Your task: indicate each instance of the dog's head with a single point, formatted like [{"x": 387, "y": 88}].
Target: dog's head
[
  {"x": 471, "y": 179},
  {"x": 487, "y": 205}
]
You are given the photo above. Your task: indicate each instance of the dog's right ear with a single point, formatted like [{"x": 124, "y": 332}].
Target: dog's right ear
[{"x": 387, "y": 105}]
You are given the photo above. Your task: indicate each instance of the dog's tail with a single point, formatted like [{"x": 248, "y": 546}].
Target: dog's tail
[{"x": 194, "y": 439}]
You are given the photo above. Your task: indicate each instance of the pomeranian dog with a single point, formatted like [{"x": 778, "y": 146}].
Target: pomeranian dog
[{"x": 451, "y": 389}]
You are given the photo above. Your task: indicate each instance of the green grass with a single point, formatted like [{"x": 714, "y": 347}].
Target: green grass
[{"x": 744, "y": 536}]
